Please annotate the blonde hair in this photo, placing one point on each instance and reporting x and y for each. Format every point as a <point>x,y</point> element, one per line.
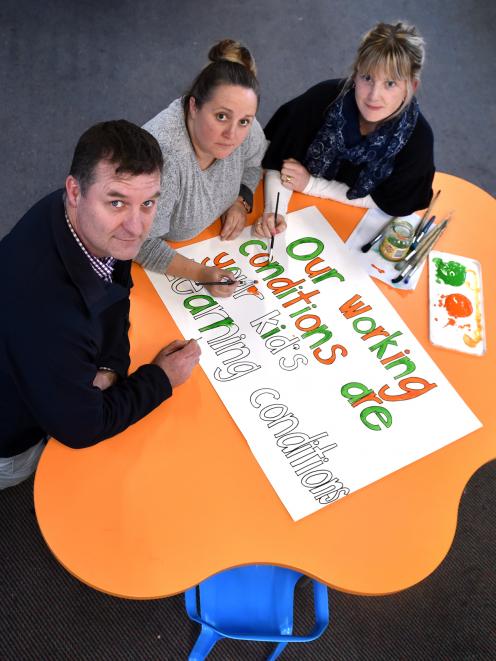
<point>233,51</point>
<point>397,50</point>
<point>231,63</point>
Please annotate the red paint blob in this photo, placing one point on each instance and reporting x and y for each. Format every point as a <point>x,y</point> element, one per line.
<point>458,305</point>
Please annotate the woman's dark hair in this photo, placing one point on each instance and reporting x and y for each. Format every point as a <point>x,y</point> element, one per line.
<point>231,63</point>
<point>132,149</point>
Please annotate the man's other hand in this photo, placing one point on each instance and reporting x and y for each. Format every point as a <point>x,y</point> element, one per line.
<point>177,360</point>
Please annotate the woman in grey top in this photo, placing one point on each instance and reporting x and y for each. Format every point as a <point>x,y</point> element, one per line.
<point>212,147</point>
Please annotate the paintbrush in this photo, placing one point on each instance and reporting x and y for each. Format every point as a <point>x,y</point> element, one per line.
<point>275,223</point>
<point>423,232</point>
<point>400,265</point>
<point>421,260</point>
<point>408,266</point>
<point>423,220</point>
<point>422,251</point>
<point>367,246</point>
<point>414,248</point>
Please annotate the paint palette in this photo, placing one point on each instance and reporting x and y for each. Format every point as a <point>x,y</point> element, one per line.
<point>456,311</point>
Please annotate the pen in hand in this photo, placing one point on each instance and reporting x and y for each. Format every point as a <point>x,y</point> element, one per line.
<point>180,345</point>
<point>228,282</point>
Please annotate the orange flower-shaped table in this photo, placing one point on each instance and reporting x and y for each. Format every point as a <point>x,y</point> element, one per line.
<point>179,496</point>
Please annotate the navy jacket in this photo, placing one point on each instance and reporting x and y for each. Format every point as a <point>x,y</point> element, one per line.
<point>60,323</point>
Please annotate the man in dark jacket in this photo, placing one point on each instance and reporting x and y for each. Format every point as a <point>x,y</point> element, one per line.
<point>64,287</point>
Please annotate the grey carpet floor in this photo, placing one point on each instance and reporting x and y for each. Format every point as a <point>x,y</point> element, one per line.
<point>65,65</point>
<point>46,614</point>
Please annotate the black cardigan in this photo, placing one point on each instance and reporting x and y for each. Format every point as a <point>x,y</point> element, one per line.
<point>293,127</point>
<point>60,323</point>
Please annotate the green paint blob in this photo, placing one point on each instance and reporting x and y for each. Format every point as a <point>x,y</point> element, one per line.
<point>451,273</point>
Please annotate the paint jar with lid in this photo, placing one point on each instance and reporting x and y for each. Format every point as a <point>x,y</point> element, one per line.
<point>397,240</point>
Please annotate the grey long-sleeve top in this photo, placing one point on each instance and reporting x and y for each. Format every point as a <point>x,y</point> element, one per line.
<point>191,198</point>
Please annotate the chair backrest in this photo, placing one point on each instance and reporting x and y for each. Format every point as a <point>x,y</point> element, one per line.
<point>254,603</point>
<point>253,600</point>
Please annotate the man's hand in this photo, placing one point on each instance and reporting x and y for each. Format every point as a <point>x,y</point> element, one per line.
<point>294,176</point>
<point>214,274</point>
<point>267,225</point>
<point>178,359</point>
<point>233,221</point>
<point>104,379</point>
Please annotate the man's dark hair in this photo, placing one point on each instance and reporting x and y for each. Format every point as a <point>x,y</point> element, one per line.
<point>132,149</point>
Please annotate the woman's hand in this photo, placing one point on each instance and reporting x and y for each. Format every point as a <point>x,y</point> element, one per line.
<point>233,221</point>
<point>267,225</point>
<point>294,176</point>
<point>214,274</point>
<point>187,268</point>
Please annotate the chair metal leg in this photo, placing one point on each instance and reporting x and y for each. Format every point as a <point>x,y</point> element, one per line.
<point>204,643</point>
<point>275,654</point>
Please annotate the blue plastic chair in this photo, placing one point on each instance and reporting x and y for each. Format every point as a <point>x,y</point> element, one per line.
<point>251,603</point>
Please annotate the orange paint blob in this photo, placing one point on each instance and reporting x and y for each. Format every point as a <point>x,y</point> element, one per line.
<point>252,290</point>
<point>458,305</point>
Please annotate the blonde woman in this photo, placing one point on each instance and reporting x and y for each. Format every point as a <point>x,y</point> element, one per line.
<point>212,146</point>
<point>362,140</point>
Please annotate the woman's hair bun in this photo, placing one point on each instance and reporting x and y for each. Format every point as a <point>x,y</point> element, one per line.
<point>230,63</point>
<point>232,51</point>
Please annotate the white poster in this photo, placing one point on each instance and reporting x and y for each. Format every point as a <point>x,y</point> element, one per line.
<point>325,381</point>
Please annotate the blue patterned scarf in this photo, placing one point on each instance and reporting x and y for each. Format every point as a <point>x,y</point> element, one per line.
<point>339,138</point>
